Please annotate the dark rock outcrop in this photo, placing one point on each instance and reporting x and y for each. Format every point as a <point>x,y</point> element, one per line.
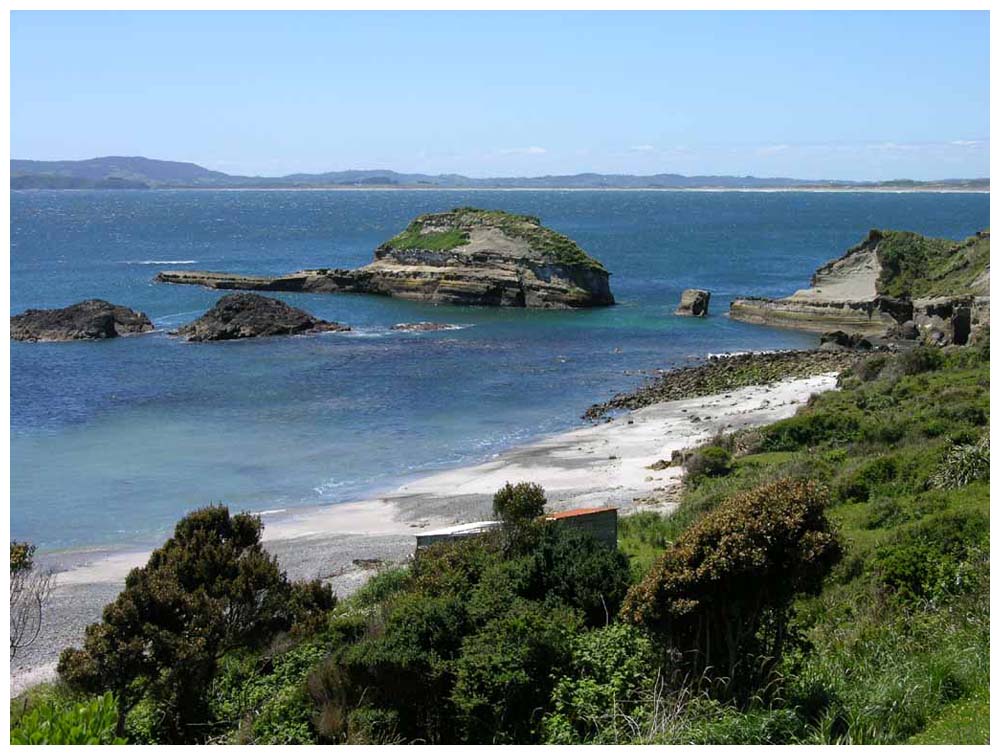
<point>252,316</point>
<point>94,319</point>
<point>694,303</point>
<point>465,256</point>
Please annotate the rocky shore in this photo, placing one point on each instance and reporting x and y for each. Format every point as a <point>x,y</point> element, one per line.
<point>719,374</point>
<point>465,256</point>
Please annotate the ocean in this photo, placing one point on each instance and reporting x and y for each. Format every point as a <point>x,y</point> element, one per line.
<point>112,442</point>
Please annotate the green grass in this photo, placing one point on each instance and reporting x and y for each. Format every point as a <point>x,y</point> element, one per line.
<point>554,246</point>
<point>895,649</point>
<point>964,723</point>
<point>413,238</point>
<point>917,266</point>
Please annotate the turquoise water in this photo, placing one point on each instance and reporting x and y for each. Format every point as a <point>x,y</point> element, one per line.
<point>112,442</point>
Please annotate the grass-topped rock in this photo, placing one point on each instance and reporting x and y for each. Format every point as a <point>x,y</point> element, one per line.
<point>464,256</point>
<point>894,282</point>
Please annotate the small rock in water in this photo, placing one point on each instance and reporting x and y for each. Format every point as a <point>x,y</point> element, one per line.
<point>91,320</point>
<point>251,316</point>
<point>694,303</point>
<point>421,327</point>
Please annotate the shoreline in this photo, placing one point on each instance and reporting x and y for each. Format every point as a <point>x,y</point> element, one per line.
<point>701,189</point>
<point>602,464</point>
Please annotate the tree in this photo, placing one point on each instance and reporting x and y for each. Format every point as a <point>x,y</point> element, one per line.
<point>209,589</point>
<point>721,595</point>
<point>30,590</point>
<point>519,507</point>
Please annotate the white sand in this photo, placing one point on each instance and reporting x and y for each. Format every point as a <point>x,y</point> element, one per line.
<point>605,464</point>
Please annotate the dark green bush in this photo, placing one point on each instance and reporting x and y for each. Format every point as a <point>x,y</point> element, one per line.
<point>506,672</point>
<point>610,677</point>
<point>720,596</point>
<point>871,367</point>
<point>210,589</point>
<point>927,558</point>
<point>868,478</point>
<point>710,461</point>
<point>920,359</point>
<point>810,429</point>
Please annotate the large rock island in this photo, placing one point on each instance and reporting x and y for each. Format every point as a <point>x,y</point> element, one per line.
<point>253,316</point>
<point>894,283</point>
<point>91,320</point>
<point>465,256</point>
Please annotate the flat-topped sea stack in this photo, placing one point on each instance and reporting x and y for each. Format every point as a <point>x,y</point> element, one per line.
<point>894,283</point>
<point>694,303</point>
<point>91,320</point>
<point>253,316</point>
<point>465,256</point>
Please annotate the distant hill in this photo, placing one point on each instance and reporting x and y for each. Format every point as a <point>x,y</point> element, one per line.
<point>141,172</point>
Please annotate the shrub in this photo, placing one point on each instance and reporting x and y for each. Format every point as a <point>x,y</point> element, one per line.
<point>373,726</point>
<point>921,359</point>
<point>710,461</point>
<point>506,672</point>
<point>812,428</point>
<point>720,596</point>
<point>404,665</point>
<point>869,477</point>
<point>91,722</point>
<point>870,368</point>
<point>209,589</point>
<point>610,672</point>
<point>965,463</point>
<point>929,558</point>
<point>581,572</point>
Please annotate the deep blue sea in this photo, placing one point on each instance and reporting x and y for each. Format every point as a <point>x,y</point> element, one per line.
<point>112,442</point>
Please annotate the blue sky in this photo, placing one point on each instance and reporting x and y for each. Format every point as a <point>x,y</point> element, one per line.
<point>808,95</point>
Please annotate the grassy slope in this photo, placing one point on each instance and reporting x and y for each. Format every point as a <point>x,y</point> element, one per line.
<point>557,247</point>
<point>897,644</point>
<point>917,266</point>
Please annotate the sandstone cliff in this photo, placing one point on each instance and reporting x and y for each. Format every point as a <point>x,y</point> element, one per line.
<point>937,288</point>
<point>465,256</point>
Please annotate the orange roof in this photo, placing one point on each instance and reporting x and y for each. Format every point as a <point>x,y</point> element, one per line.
<point>579,512</point>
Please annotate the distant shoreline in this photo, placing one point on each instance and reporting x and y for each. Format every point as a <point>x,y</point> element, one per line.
<point>684,190</point>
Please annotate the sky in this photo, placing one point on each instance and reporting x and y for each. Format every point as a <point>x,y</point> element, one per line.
<point>839,95</point>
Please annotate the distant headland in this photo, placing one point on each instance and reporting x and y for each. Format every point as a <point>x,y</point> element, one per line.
<point>144,173</point>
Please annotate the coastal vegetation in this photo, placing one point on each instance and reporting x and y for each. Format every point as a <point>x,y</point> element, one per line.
<point>915,266</point>
<point>451,230</point>
<point>825,579</point>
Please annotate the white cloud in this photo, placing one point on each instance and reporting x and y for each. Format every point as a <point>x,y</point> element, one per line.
<point>966,142</point>
<point>642,148</point>
<point>772,149</point>
<point>524,151</point>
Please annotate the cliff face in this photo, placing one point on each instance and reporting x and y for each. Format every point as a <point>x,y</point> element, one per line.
<point>466,256</point>
<point>938,288</point>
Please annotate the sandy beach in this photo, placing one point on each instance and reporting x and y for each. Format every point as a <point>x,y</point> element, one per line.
<point>603,464</point>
